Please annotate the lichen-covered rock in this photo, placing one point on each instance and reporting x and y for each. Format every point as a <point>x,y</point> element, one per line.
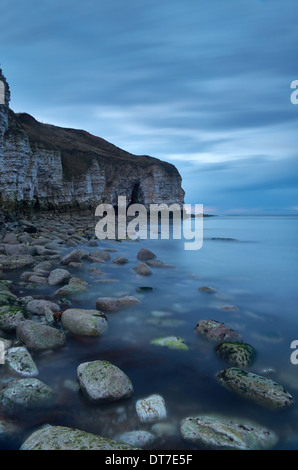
<point>19,360</point>
<point>63,438</point>
<point>38,337</point>
<point>24,394</point>
<point>216,331</point>
<point>84,322</point>
<point>112,304</point>
<point>140,438</point>
<point>10,317</point>
<point>238,354</point>
<point>259,389</point>
<point>102,382</point>
<point>39,306</point>
<point>171,342</point>
<point>211,432</point>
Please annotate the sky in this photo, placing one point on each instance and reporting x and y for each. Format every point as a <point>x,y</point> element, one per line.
<point>205,85</point>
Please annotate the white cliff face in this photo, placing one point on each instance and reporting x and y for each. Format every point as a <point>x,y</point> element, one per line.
<point>33,176</point>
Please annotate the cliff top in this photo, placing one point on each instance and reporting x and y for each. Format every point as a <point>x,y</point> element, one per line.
<point>78,148</point>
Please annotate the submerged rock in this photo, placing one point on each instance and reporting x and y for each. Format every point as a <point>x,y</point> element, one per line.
<point>239,354</point>
<point>84,322</point>
<point>102,382</point>
<point>216,331</point>
<point>140,438</point>
<point>111,304</point>
<point>19,360</point>
<point>120,260</point>
<point>74,256</point>
<point>38,337</point>
<point>207,290</point>
<point>63,438</point>
<point>7,429</point>
<point>25,394</point>
<point>143,270</point>
<point>220,433</point>
<point>259,389</point>
<point>171,342</point>
<point>151,409</point>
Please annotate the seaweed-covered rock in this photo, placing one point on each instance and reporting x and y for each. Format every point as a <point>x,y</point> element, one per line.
<point>10,317</point>
<point>63,438</point>
<point>171,342</point>
<point>259,389</point>
<point>19,360</point>
<point>102,382</point>
<point>151,409</point>
<point>38,337</point>
<point>84,322</point>
<point>239,354</point>
<point>23,394</point>
<point>220,433</point>
<point>216,331</point>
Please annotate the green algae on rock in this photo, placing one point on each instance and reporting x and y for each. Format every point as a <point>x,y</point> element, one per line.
<point>261,390</point>
<point>64,438</point>
<point>216,433</point>
<point>10,317</point>
<point>239,354</point>
<point>171,342</point>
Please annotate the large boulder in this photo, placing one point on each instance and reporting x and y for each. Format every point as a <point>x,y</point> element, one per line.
<point>63,438</point>
<point>102,382</point>
<point>38,337</point>
<point>259,389</point>
<point>209,432</point>
<point>19,360</point>
<point>84,322</point>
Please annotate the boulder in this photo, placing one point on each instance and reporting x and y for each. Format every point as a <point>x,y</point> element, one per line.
<point>144,254</point>
<point>213,433</point>
<point>10,317</point>
<point>38,337</point>
<point>142,269</point>
<point>23,394</point>
<point>19,360</point>
<point>63,438</point>
<point>39,306</point>
<point>58,276</point>
<point>84,322</point>
<point>238,354</point>
<point>111,304</point>
<point>261,390</point>
<point>102,382</point>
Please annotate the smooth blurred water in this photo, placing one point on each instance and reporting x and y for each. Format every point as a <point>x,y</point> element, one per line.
<point>256,272</point>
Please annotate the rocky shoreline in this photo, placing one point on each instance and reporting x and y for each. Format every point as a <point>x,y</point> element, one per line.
<point>46,252</point>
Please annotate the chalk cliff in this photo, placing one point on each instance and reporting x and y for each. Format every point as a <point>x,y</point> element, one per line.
<point>45,167</point>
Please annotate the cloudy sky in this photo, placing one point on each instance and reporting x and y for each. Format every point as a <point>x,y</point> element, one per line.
<point>202,84</point>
